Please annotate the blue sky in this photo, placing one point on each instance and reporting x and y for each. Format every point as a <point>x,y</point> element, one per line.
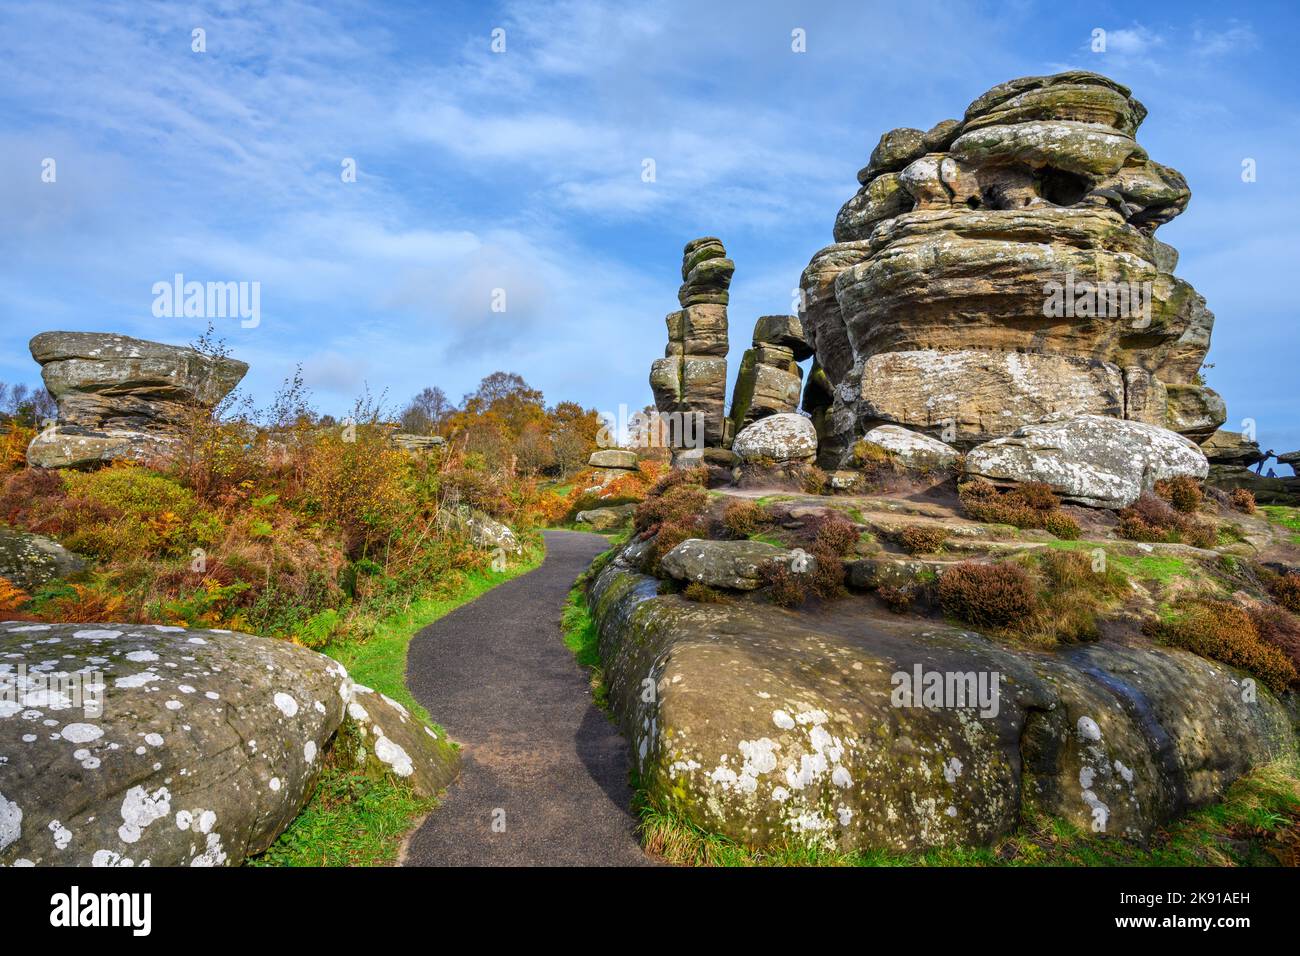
<point>522,170</point>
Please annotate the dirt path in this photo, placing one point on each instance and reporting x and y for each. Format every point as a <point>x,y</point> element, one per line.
<point>544,779</point>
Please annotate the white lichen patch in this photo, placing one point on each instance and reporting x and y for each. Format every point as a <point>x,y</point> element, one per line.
<point>141,808</point>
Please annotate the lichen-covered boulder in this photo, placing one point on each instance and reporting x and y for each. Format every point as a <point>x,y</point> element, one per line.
<point>912,449</point>
<point>388,738</point>
<point>606,519</point>
<point>29,560</point>
<point>613,458</point>
<point>201,748</point>
<point>483,530</point>
<point>781,438</point>
<point>1093,460</point>
<point>736,565</point>
<point>854,729</point>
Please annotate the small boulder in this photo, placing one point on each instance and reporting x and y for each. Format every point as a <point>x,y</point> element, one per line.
<point>736,565</point>
<point>389,739</point>
<point>29,560</point>
<point>613,458</point>
<point>783,438</point>
<point>784,330</point>
<point>606,519</point>
<point>912,449</point>
<point>1093,460</point>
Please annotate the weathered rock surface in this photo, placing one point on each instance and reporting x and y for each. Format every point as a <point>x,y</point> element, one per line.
<point>417,444</point>
<point>606,519</point>
<point>142,745</point>
<point>773,727</point>
<point>912,449</point>
<point>768,383</point>
<point>1093,460</point>
<point>613,458</point>
<point>483,530</point>
<point>691,378</point>
<point>1020,242</point>
<point>1231,448</point>
<point>30,560</point>
<point>120,397</point>
<point>736,565</point>
<point>780,438</point>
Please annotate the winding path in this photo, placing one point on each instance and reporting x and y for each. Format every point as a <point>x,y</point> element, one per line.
<point>537,754</point>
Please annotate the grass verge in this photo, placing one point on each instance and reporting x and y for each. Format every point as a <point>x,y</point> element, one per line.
<point>353,819</point>
<point>1256,824</point>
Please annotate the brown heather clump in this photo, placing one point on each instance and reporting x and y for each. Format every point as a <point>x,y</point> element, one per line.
<point>988,595</point>
<point>743,518</point>
<point>679,502</point>
<point>1286,591</point>
<point>922,538</point>
<point>835,534</point>
<point>897,599</point>
<point>1279,629</point>
<point>1151,518</point>
<point>1074,592</point>
<point>813,480</point>
<point>827,576</point>
<point>1182,491</point>
<point>785,588</point>
<point>1029,505</point>
<point>1243,499</point>
<point>1225,632</point>
<point>678,476</point>
<point>670,534</point>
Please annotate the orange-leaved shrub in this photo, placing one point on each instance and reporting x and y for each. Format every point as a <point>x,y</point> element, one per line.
<point>1225,632</point>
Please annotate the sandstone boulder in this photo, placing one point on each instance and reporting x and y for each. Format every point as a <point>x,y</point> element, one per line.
<point>912,449</point>
<point>1231,448</point>
<point>388,738</point>
<point>30,560</point>
<point>772,727</point>
<point>780,438</point>
<point>120,397</point>
<point>613,458</point>
<point>1093,460</point>
<point>736,565</point>
<point>606,519</point>
<point>417,444</point>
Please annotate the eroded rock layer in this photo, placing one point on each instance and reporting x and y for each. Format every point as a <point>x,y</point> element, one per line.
<point>1002,270</point>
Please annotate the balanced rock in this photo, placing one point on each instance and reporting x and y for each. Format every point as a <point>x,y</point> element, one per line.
<point>691,379</point>
<point>120,397</point>
<point>1092,459</point>
<point>1231,448</point>
<point>788,437</point>
<point>30,560</point>
<point>912,449</point>
<point>1002,271</point>
<point>619,458</point>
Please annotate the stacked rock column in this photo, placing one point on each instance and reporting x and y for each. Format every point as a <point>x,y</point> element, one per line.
<point>770,379</point>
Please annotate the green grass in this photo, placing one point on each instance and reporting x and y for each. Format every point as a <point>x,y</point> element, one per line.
<point>353,819</point>
<point>578,629</point>
<point>1288,517</point>
<point>1256,824</point>
<point>1151,567</point>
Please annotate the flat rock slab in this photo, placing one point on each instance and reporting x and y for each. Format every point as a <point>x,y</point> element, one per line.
<point>544,776</point>
<point>202,749</point>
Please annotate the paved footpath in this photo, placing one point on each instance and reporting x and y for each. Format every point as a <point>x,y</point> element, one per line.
<point>538,756</point>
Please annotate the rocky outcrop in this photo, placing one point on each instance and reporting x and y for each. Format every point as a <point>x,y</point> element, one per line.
<point>855,730</point>
<point>120,397</point>
<point>143,745</point>
<point>735,565</point>
<point>1092,460</point>
<point>30,560</point>
<point>1002,271</point>
<point>616,458</point>
<point>483,530</point>
<point>770,379</point>
<point>692,376</point>
<point>779,438</point>
<point>912,449</point>
<point>417,444</point>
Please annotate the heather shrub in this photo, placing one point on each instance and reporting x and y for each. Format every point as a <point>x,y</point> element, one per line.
<point>1183,492</point>
<point>1225,632</point>
<point>672,533</point>
<point>922,538</point>
<point>1029,505</point>
<point>835,534</point>
<point>827,575</point>
<point>678,503</point>
<point>785,588</point>
<point>988,595</point>
<point>1151,518</point>
<point>1243,499</point>
<point>1279,629</point>
<point>743,518</point>
<point>679,476</point>
<point>897,599</point>
<point>1285,589</point>
<point>1062,526</point>
<point>813,480</point>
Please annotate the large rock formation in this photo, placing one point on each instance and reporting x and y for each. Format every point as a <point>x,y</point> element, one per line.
<point>1002,271</point>
<point>201,748</point>
<point>692,376</point>
<point>121,397</point>
<point>770,379</point>
<point>852,729</point>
